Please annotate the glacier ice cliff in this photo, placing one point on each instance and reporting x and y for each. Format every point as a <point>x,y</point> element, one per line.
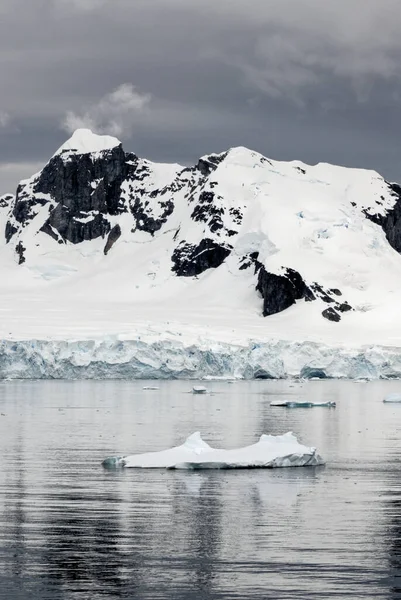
<point>173,359</point>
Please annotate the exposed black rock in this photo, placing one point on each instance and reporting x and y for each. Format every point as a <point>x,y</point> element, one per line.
<point>5,201</point>
<point>281,291</point>
<point>20,249</point>
<point>10,231</point>
<point>250,260</point>
<point>207,212</point>
<point>344,307</point>
<point>147,222</point>
<point>71,228</point>
<point>236,215</point>
<point>327,296</point>
<point>114,234</point>
<point>84,189</point>
<point>208,164</point>
<point>331,315</point>
<point>190,260</point>
<point>391,221</point>
<point>321,293</point>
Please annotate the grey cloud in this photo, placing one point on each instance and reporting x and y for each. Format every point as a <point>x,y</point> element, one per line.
<point>116,113</point>
<point>12,172</point>
<point>300,79</point>
<point>4,118</point>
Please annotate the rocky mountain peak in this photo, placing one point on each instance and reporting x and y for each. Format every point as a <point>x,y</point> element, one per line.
<point>275,226</point>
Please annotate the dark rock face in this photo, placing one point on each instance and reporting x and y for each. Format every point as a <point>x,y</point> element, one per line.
<point>327,296</point>
<point>69,227</point>
<point>114,234</point>
<point>331,315</point>
<point>6,200</point>
<point>80,190</point>
<point>146,222</point>
<point>20,249</point>
<point>250,260</point>
<point>190,260</point>
<point>208,164</point>
<point>281,291</point>
<point>10,231</point>
<point>391,221</point>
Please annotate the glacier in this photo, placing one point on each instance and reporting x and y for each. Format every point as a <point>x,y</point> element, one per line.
<point>173,359</point>
<point>269,452</point>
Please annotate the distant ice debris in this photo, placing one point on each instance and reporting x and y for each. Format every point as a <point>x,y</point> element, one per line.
<point>150,387</point>
<point>393,398</point>
<point>301,404</point>
<point>199,389</point>
<point>270,451</point>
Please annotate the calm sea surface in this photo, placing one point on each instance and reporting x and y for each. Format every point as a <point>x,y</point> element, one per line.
<point>70,529</point>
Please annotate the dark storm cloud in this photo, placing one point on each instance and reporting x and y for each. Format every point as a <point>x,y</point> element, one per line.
<point>174,79</point>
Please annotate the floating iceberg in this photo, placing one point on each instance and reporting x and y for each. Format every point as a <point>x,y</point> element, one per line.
<point>300,404</point>
<point>392,398</point>
<point>270,451</point>
<point>150,387</point>
<point>199,389</point>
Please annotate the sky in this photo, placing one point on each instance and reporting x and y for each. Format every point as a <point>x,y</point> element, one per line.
<point>318,81</point>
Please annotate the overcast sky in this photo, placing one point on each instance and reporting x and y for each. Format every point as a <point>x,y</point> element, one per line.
<point>315,80</point>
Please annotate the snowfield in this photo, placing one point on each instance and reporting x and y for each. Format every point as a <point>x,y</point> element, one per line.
<point>150,306</point>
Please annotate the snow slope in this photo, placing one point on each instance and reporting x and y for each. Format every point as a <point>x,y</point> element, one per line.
<point>115,266</point>
<point>83,141</point>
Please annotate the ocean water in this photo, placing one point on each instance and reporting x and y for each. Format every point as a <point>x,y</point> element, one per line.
<point>71,530</point>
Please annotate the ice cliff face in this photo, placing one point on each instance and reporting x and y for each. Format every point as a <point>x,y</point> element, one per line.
<point>289,231</point>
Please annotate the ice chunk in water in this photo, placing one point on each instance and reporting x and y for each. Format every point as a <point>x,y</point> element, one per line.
<point>270,451</point>
<point>301,404</point>
<point>113,462</point>
<point>392,397</point>
<point>199,389</point>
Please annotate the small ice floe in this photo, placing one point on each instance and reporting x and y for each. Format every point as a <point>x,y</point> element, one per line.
<point>199,389</point>
<point>393,398</point>
<point>150,387</point>
<point>270,451</point>
<point>301,404</point>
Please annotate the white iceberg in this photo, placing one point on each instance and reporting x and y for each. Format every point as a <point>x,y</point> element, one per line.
<point>270,451</point>
<point>301,404</point>
<point>393,398</point>
<point>199,389</point>
<point>150,387</point>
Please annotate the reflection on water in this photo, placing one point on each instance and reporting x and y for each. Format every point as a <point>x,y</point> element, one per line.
<point>69,529</point>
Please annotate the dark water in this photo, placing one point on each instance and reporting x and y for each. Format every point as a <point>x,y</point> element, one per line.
<point>69,529</point>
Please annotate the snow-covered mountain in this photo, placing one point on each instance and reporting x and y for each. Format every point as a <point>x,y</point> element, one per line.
<point>237,250</point>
